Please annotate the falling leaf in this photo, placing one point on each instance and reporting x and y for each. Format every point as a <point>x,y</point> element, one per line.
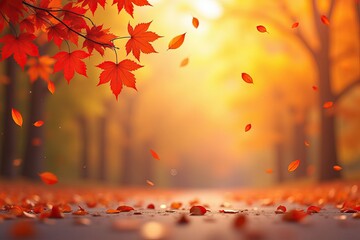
<point>247,127</point>
<point>48,178</point>
<point>177,41</point>
<point>17,162</point>
<point>295,25</point>
<point>328,105</point>
<point>261,29</point>
<point>247,78</point>
<point>306,143</point>
<point>315,88</point>
<point>325,20</point>
<point>184,62</point>
<point>337,168</point>
<point>197,210</point>
<point>38,123</point>
<point>150,183</point>
<point>280,209</point>
<point>195,22</point>
<point>239,221</point>
<point>51,87</point>
<point>313,209</point>
<point>269,171</point>
<point>293,165</point>
<point>154,154</point>
<point>294,216</point>
<point>112,211</point>
<point>125,208</point>
<point>17,117</point>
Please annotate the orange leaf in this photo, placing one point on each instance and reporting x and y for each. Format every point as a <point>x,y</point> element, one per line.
<point>40,68</point>
<point>16,116</point>
<point>150,183</point>
<point>184,62</point>
<point>295,25</point>
<point>112,211</point>
<point>261,29</point>
<point>48,178</point>
<point>337,168</point>
<point>306,143</point>
<point>313,209</point>
<point>140,39</point>
<point>176,205</point>
<point>154,154</point>
<point>197,210</point>
<point>195,22</point>
<point>177,41</point>
<point>269,171</point>
<point>328,105</point>
<point>124,208</point>
<point>55,213</point>
<point>51,87</point>
<point>280,209</point>
<point>325,20</point>
<point>38,123</point>
<point>247,78</point>
<point>293,165</point>
<point>247,127</point>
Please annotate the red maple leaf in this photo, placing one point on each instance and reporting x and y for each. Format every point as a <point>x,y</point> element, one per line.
<point>13,9</point>
<point>69,62</point>
<point>20,46</point>
<point>140,40</point>
<point>100,35</point>
<point>128,5</point>
<point>57,33</point>
<point>72,16</point>
<point>92,4</point>
<point>118,74</point>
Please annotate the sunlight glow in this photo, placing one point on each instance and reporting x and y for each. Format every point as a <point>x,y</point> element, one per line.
<point>209,8</point>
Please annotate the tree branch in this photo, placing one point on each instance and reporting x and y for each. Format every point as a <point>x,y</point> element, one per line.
<point>347,89</point>
<point>67,26</point>
<point>331,8</point>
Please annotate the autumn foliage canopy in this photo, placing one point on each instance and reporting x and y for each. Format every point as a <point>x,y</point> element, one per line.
<point>27,25</point>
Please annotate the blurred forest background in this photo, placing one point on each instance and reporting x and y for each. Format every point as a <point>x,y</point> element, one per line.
<point>194,116</point>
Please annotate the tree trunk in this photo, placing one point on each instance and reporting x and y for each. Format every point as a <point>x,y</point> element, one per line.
<point>9,136</point>
<point>299,149</point>
<point>279,159</point>
<point>328,155</point>
<point>102,138</point>
<point>127,157</point>
<point>34,145</point>
<point>84,140</point>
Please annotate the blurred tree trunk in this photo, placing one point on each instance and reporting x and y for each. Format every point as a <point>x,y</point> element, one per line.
<point>299,149</point>
<point>127,157</point>
<point>9,136</point>
<point>84,138</point>
<point>102,138</point>
<point>279,161</point>
<point>34,145</point>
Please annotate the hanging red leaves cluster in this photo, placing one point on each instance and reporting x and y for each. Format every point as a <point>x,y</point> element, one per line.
<point>68,23</point>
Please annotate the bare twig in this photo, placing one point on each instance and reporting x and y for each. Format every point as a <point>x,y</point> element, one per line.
<point>347,89</point>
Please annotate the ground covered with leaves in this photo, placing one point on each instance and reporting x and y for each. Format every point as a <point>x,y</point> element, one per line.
<point>36,211</point>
